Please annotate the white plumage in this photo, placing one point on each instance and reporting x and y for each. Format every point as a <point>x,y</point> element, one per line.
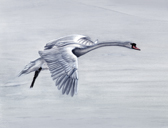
<point>60,57</point>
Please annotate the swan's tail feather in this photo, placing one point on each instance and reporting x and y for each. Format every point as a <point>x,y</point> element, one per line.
<point>32,66</point>
<point>26,69</point>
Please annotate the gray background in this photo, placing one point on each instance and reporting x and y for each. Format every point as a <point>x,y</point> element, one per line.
<point>118,87</point>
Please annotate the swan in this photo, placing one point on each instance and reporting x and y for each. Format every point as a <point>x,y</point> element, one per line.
<point>60,57</point>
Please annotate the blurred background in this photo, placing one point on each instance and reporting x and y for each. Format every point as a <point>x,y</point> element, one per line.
<point>118,87</point>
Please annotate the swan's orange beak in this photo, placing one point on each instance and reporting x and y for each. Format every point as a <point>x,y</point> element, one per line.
<point>134,47</point>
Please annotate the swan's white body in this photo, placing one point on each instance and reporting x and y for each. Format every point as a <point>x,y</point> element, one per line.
<point>60,57</point>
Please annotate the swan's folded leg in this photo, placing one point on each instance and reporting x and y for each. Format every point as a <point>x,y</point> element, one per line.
<point>35,76</point>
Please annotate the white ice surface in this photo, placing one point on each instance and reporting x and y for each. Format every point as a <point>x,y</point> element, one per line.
<point>118,87</point>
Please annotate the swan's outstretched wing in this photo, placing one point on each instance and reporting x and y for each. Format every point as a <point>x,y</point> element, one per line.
<point>77,39</point>
<point>63,66</point>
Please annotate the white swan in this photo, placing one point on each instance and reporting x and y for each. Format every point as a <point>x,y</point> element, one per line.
<point>60,57</point>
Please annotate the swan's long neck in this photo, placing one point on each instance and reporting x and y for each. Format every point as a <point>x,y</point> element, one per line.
<point>81,51</point>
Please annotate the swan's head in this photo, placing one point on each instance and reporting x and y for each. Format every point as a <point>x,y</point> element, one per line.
<point>131,45</point>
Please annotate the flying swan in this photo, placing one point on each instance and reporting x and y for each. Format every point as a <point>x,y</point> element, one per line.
<point>60,57</point>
